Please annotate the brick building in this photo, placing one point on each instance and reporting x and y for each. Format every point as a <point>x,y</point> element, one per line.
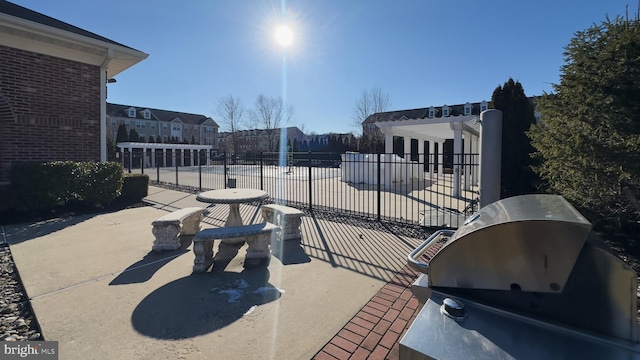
<point>53,80</point>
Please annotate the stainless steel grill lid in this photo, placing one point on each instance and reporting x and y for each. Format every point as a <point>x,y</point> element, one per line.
<point>529,279</point>
<point>527,243</point>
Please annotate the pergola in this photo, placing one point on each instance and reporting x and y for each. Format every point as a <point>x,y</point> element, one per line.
<point>437,130</point>
<point>164,147</point>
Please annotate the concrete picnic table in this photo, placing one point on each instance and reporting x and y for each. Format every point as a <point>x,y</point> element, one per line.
<point>233,197</point>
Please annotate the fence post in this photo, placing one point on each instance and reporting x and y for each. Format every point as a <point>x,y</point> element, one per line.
<point>176,172</point>
<point>261,171</point>
<point>310,185</point>
<point>224,167</point>
<point>379,192</point>
<point>199,172</point>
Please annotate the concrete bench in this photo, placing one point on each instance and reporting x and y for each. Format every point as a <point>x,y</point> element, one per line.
<point>257,236</point>
<point>168,227</point>
<point>289,219</point>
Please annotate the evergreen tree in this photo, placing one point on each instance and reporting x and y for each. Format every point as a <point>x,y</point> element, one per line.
<point>158,139</point>
<point>122,135</point>
<point>589,142</point>
<point>134,136</point>
<point>517,176</point>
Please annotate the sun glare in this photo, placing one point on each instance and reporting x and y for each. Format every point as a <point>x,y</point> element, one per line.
<point>284,35</point>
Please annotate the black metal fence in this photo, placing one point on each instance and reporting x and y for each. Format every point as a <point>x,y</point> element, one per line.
<point>434,191</point>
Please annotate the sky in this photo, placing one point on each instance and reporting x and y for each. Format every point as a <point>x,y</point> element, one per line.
<point>421,53</point>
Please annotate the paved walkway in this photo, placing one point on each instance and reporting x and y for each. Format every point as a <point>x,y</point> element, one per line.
<point>375,332</point>
<point>94,277</point>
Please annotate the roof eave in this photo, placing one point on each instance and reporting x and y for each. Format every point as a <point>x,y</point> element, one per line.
<point>31,36</point>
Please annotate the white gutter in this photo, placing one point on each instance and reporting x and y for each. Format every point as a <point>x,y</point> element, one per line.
<point>103,104</point>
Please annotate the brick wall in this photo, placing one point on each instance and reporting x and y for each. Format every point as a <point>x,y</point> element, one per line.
<point>49,109</point>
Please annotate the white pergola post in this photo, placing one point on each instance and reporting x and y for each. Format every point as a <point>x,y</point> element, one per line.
<point>164,157</point>
<point>475,148</point>
<point>153,157</point>
<point>420,159</point>
<point>388,143</point>
<point>440,158</point>
<point>130,157</point>
<point>182,157</point>
<point>407,148</point>
<point>173,157</point>
<point>457,158</point>
<point>432,158</point>
<point>191,153</point>
<point>468,168</point>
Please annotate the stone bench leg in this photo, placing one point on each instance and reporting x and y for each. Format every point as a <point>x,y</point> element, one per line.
<point>166,237</point>
<point>191,225</point>
<point>268,215</point>
<point>258,250</point>
<point>291,227</point>
<point>203,251</point>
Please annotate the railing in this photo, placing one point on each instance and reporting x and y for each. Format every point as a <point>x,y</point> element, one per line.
<point>379,187</point>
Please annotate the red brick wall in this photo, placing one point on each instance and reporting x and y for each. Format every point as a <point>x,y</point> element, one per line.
<point>49,109</point>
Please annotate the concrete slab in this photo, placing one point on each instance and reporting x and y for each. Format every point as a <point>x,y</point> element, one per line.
<point>98,289</point>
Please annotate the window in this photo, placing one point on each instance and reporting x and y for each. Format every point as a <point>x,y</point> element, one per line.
<point>153,125</point>
<point>165,138</point>
<point>141,124</point>
<point>445,111</point>
<point>484,106</point>
<point>132,112</point>
<point>127,123</point>
<point>175,127</point>
<point>165,126</point>
<point>432,112</point>
<point>467,109</point>
<point>147,114</point>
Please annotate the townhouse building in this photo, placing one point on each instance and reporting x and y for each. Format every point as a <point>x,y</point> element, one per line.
<point>156,125</point>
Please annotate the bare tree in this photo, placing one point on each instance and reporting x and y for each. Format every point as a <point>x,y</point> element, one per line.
<point>270,115</point>
<point>231,112</point>
<point>370,103</point>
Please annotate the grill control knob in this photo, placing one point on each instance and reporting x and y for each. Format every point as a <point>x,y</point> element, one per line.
<point>453,309</point>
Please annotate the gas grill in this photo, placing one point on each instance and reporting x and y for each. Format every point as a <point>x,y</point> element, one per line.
<point>524,278</point>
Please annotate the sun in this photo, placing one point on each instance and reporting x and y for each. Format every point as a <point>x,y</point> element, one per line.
<point>284,35</point>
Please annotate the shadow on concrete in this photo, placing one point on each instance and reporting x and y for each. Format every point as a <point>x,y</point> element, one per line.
<point>17,233</point>
<point>289,252</point>
<point>144,269</point>
<point>202,303</point>
<point>400,188</point>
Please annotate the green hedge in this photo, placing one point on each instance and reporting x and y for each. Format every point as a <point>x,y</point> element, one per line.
<point>135,187</point>
<point>42,185</point>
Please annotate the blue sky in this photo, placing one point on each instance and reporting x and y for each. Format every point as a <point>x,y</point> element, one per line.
<point>421,53</point>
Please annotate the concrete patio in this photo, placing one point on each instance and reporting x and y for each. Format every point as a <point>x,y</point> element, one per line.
<point>98,289</point>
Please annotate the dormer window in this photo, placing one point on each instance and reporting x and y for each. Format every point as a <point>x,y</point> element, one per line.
<point>467,109</point>
<point>484,106</point>
<point>147,114</point>
<point>445,111</point>
<point>432,112</point>
<point>132,112</point>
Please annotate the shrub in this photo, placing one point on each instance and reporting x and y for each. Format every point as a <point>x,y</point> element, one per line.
<point>39,185</point>
<point>101,182</point>
<point>42,185</point>
<point>135,187</point>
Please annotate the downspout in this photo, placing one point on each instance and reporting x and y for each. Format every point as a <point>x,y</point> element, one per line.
<point>103,104</point>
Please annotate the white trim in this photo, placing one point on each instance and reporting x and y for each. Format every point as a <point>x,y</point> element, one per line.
<point>31,36</point>
<point>139,145</point>
<point>103,105</point>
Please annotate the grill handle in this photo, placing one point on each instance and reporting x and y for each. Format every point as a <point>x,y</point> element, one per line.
<point>412,259</point>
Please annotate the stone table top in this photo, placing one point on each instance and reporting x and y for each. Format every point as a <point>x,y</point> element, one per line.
<point>232,196</point>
